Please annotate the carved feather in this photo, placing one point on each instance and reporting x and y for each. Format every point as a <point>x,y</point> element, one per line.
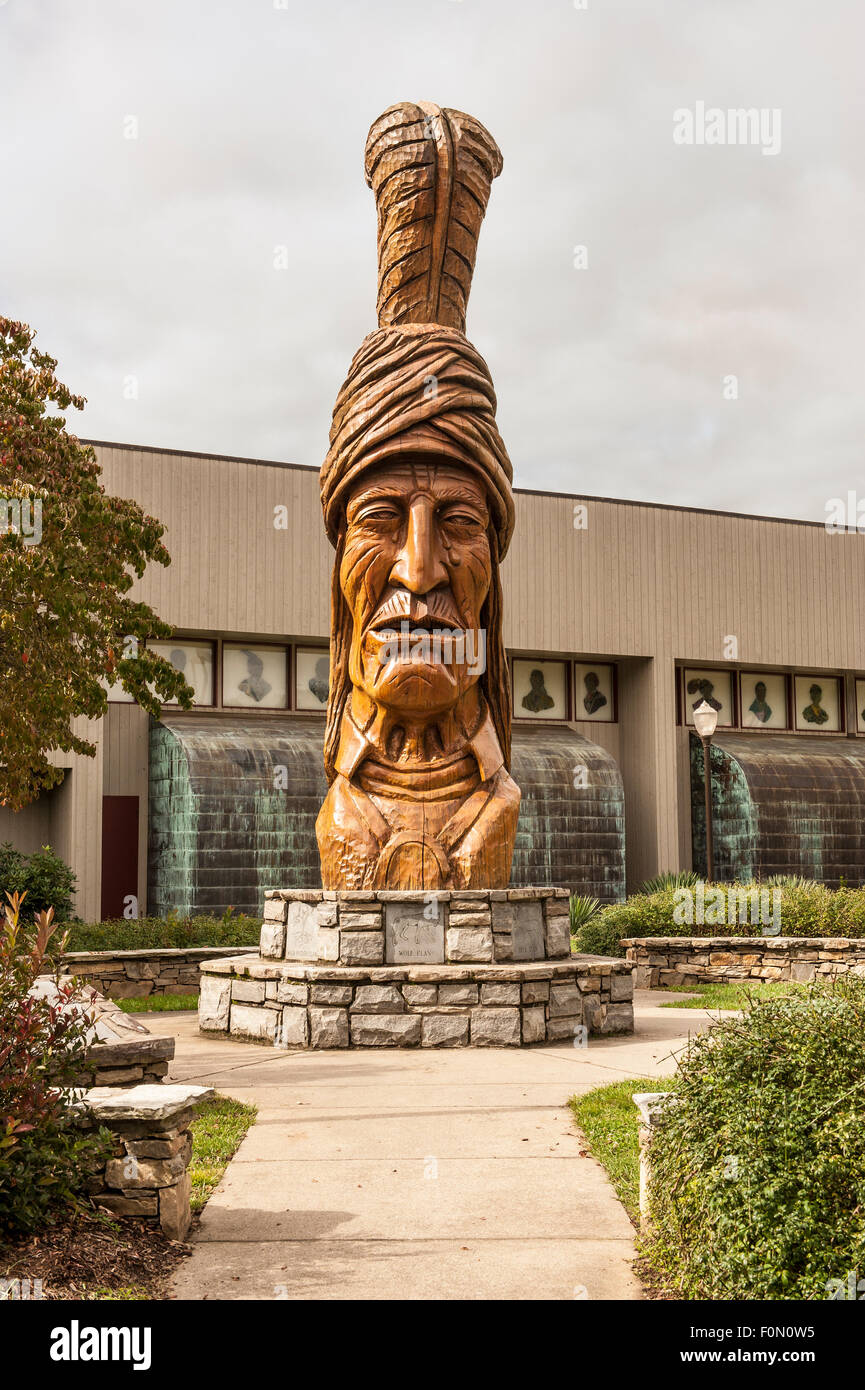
<point>431,170</point>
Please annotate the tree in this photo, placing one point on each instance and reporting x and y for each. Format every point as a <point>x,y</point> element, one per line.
<point>69,555</point>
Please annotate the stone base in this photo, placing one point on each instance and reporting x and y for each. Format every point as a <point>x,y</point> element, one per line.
<point>460,926</point>
<point>293,1005</point>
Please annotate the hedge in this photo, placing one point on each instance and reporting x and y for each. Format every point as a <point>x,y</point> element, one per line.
<point>757,1186</point>
<point>159,932</point>
<point>807,909</point>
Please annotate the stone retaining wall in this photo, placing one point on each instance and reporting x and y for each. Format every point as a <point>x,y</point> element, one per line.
<point>137,974</point>
<point>448,1005</point>
<point>685,960</point>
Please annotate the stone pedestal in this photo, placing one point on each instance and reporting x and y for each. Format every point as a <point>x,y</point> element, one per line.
<point>475,926</point>
<point>487,968</point>
<point>147,1174</point>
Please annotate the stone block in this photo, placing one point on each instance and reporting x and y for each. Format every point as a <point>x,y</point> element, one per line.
<point>621,987</point>
<point>361,947</point>
<point>475,917</point>
<point>119,1204</point>
<point>534,1024</point>
<point>248,991</point>
<point>417,995</point>
<point>594,1012</point>
<point>328,1027</point>
<point>495,1027</point>
<point>292,1028</point>
<point>557,907</point>
<point>564,1000</point>
<point>411,937</point>
<point>214,1003</point>
<point>118,1076</point>
<point>444,1030</point>
<point>162,1148</point>
<point>271,940</point>
<point>456,994</point>
<point>336,996</point>
<point>378,999</point>
<point>469,944</point>
<point>359,921</point>
<point>247,1021</point>
<point>289,992</point>
<point>385,1030</point>
<point>619,1019</point>
<point>174,1211</point>
<point>558,1028</point>
<point>535,991</point>
<point>558,937</point>
<point>131,1173</point>
<point>275,910</point>
<point>500,995</point>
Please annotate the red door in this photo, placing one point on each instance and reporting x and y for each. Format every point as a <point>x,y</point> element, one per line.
<point>119,854</point>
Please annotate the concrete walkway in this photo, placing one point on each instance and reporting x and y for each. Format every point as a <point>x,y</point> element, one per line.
<point>456,1174</point>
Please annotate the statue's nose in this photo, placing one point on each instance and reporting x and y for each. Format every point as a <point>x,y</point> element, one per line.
<point>419,566</point>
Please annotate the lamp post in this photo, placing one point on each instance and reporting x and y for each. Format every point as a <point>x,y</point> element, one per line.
<point>706,722</point>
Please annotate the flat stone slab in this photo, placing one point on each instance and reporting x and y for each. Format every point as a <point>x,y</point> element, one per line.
<point>160,1102</point>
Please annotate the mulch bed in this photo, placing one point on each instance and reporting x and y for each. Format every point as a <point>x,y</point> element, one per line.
<point>88,1256</point>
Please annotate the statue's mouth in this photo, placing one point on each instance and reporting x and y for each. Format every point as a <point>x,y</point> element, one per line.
<point>415,629</point>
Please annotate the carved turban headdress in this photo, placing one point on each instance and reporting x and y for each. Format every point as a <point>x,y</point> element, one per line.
<point>416,385</point>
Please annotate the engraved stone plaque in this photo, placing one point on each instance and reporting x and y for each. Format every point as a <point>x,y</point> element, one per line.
<point>302,932</point>
<point>413,938</point>
<point>527,931</point>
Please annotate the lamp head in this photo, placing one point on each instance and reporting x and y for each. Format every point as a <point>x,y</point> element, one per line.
<point>705,719</point>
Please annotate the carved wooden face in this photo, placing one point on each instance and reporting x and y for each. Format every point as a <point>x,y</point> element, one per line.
<point>416,561</point>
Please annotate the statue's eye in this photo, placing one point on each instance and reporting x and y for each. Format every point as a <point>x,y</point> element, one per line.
<point>381,511</point>
<point>460,518</point>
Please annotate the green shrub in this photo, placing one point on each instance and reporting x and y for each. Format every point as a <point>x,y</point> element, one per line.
<point>686,878</point>
<point>599,937</point>
<point>43,876</point>
<point>581,910</point>
<point>156,933</point>
<point>758,1168</point>
<point>806,909</point>
<point>45,1159</point>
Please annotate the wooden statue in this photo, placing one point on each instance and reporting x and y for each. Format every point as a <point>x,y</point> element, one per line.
<point>416,493</point>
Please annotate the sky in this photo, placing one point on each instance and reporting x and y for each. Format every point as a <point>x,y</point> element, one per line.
<point>187,227</point>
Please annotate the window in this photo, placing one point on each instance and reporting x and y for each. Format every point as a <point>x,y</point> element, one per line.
<point>713,686</point>
<point>311,678</point>
<point>254,676</point>
<point>540,689</point>
<point>194,660</point>
<point>594,692</point>
<point>817,703</point>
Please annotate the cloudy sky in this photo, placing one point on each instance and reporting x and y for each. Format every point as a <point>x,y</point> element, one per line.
<point>152,258</point>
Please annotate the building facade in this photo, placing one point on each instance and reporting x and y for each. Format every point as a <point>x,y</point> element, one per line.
<point>620,617</point>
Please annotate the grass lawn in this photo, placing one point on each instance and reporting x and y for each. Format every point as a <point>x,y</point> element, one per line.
<point>734,995</point>
<point>609,1119</point>
<point>159,1003</point>
<point>217,1132</point>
